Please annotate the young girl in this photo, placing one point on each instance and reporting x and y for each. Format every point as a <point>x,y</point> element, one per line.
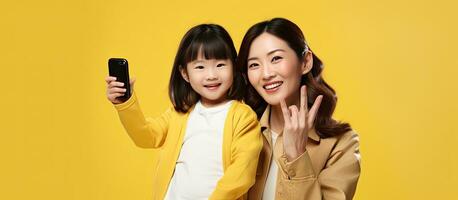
<point>209,141</point>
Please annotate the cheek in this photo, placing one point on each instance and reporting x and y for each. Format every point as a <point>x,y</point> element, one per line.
<point>290,71</point>
<point>226,75</point>
<point>253,76</point>
<point>230,78</point>
<point>194,78</point>
<point>230,73</point>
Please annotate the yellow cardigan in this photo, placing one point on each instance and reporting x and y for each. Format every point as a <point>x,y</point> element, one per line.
<point>242,143</point>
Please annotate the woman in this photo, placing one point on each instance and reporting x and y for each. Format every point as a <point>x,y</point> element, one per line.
<point>306,154</point>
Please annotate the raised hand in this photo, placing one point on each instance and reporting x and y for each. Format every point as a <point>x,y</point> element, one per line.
<point>298,122</point>
<point>116,89</point>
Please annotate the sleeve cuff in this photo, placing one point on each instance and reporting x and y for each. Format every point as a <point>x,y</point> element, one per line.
<point>126,104</point>
<point>299,168</point>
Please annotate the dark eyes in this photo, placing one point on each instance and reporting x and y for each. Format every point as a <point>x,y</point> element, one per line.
<point>253,65</point>
<point>202,67</point>
<point>276,58</point>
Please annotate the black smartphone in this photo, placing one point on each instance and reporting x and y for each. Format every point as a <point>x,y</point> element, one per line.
<point>119,68</point>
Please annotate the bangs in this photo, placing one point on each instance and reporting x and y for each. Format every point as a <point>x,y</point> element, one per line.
<point>210,46</point>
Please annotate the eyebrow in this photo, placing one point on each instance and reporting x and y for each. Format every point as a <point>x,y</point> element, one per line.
<point>270,53</point>
<point>197,61</point>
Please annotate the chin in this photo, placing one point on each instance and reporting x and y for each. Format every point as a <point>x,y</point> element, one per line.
<point>214,97</point>
<point>272,100</point>
<point>273,103</point>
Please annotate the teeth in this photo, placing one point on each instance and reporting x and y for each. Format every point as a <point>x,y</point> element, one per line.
<point>272,86</point>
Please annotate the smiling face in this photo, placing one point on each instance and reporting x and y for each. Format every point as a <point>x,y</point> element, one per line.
<point>275,70</point>
<point>210,78</point>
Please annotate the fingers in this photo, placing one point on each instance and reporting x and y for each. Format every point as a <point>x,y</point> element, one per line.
<point>294,117</point>
<point>108,79</point>
<point>304,99</point>
<point>113,97</point>
<point>303,107</point>
<point>113,84</point>
<point>286,113</point>
<point>111,81</point>
<point>116,90</point>
<point>114,93</point>
<point>314,110</point>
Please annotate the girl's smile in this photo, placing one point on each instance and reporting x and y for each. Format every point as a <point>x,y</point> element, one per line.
<point>210,78</point>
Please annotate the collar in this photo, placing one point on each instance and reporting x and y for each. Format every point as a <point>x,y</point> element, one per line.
<point>201,109</point>
<point>264,122</point>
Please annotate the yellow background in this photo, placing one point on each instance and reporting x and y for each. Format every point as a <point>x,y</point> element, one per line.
<point>393,63</point>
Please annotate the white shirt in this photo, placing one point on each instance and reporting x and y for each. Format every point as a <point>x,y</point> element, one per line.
<point>199,165</point>
<point>271,183</point>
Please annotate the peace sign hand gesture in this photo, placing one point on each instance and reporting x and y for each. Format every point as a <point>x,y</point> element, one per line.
<point>298,123</point>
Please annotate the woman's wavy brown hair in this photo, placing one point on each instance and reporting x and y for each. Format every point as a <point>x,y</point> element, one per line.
<point>289,32</point>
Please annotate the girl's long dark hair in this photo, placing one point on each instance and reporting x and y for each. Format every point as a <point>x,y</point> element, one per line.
<point>289,32</point>
<point>214,42</point>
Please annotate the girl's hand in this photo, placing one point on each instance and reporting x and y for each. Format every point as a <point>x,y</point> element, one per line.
<point>115,89</point>
<point>298,122</point>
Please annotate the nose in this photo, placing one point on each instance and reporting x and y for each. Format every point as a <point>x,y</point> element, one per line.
<point>267,72</point>
<point>211,74</point>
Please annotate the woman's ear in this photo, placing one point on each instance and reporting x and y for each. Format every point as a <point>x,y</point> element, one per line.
<point>308,62</point>
<point>184,74</point>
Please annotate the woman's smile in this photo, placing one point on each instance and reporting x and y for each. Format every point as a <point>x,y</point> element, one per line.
<point>272,87</point>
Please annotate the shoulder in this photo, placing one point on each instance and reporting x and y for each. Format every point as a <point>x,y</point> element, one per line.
<point>348,138</point>
<point>346,144</point>
<point>172,113</point>
<point>341,141</point>
<point>242,110</point>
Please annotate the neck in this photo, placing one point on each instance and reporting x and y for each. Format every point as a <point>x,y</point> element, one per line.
<point>212,103</point>
<point>276,119</point>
